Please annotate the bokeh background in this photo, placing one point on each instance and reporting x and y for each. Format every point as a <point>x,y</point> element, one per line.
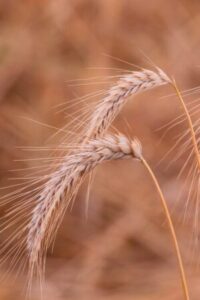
<point>123,249</point>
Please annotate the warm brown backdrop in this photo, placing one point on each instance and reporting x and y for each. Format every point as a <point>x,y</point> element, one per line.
<point>123,251</point>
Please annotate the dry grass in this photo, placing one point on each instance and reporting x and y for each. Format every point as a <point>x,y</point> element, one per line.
<point>122,251</point>
<point>61,186</point>
<point>116,97</point>
<point>60,190</point>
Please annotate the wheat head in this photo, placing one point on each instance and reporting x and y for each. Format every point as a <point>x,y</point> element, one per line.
<point>117,96</point>
<point>63,185</point>
<point>60,189</point>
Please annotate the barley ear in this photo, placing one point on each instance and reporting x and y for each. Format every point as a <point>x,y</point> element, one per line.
<point>117,96</point>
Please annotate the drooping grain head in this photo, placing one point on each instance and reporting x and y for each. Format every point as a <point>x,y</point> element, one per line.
<point>117,96</point>
<point>63,185</point>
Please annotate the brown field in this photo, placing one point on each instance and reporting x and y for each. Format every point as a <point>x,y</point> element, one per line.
<point>123,249</point>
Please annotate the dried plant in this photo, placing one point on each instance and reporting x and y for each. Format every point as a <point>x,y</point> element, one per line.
<point>63,185</point>
<point>60,190</point>
<point>105,113</point>
<point>121,251</point>
<point>116,97</point>
<point>55,192</point>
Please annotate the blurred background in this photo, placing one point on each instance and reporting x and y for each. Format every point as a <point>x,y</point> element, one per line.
<point>123,249</point>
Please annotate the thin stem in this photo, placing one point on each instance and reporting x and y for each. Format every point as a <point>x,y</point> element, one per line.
<point>194,141</point>
<point>172,230</point>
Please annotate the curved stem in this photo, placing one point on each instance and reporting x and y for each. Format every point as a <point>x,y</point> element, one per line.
<point>172,230</point>
<point>194,141</point>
